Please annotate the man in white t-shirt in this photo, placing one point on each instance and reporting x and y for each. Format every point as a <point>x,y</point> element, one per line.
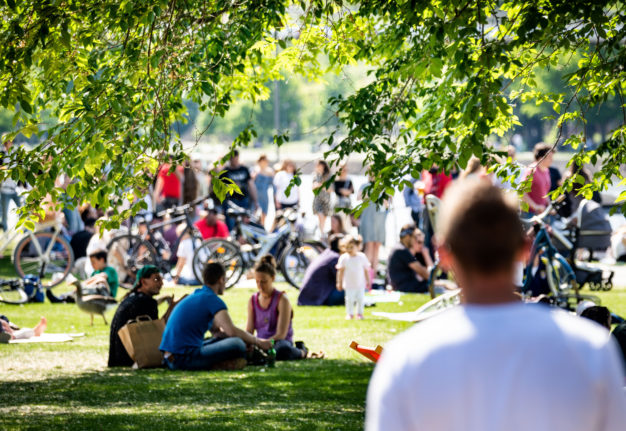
<point>494,363</point>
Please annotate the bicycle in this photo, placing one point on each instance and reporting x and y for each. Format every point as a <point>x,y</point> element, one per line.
<point>560,276</point>
<point>12,291</point>
<point>128,252</point>
<point>43,252</point>
<point>250,242</point>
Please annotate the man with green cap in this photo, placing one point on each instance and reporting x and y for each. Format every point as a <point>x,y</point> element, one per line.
<point>138,302</point>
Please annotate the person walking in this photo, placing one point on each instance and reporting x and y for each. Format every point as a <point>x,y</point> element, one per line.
<point>495,363</point>
<point>372,227</point>
<point>281,183</point>
<point>8,188</point>
<point>321,201</point>
<point>263,176</point>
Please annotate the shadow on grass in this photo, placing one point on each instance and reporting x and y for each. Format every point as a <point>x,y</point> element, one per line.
<point>327,394</point>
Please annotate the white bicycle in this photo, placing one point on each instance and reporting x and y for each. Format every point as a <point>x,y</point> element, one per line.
<point>43,252</point>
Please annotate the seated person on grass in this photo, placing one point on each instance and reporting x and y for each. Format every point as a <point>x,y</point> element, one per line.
<point>320,279</point>
<point>183,272</point>
<point>270,313</point>
<point>8,331</point>
<point>403,268</point>
<point>183,344</point>
<point>102,275</point>
<point>138,302</point>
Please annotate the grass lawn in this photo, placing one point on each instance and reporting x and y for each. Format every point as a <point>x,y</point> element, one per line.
<point>68,386</point>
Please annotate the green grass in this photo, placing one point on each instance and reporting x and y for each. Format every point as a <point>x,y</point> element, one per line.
<point>68,386</point>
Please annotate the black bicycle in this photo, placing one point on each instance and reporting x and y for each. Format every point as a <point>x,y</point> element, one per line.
<point>249,242</point>
<point>143,243</point>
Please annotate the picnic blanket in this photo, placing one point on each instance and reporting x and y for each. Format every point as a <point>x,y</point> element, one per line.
<point>431,308</point>
<point>48,338</point>
<point>380,296</point>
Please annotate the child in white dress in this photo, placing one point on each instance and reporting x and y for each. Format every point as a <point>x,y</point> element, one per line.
<point>353,275</point>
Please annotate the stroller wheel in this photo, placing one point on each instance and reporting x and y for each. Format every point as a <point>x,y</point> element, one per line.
<point>595,286</point>
<point>606,286</point>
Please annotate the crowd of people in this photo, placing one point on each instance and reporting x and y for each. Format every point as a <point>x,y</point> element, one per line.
<point>493,362</point>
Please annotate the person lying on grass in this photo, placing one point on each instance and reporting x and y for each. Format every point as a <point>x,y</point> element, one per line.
<point>183,344</point>
<point>270,313</point>
<point>8,331</point>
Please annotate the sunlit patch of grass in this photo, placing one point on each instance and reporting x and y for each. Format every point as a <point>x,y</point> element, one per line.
<point>68,385</point>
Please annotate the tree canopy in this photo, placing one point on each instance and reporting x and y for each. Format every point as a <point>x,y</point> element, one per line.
<point>101,83</point>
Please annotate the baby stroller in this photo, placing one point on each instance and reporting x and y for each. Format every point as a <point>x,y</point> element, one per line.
<point>587,228</point>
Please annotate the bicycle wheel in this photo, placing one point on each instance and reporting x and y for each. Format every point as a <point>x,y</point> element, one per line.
<point>12,292</point>
<point>561,277</point>
<point>128,254</point>
<point>31,258</point>
<point>295,260</point>
<point>224,252</point>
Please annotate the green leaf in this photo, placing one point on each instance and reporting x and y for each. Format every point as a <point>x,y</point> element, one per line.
<point>26,106</point>
<point>29,130</point>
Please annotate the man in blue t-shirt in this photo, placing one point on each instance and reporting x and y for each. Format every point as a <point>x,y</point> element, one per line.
<point>183,344</point>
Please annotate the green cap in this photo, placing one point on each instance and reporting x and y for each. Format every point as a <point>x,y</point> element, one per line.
<point>145,272</point>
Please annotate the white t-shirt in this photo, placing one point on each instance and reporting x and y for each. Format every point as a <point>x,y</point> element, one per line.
<point>281,182</point>
<point>185,249</point>
<point>494,368</point>
<point>354,270</point>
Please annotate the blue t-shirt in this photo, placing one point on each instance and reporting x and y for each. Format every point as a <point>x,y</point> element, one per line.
<point>190,320</point>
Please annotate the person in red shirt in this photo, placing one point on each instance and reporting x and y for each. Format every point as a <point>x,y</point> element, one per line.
<point>435,181</point>
<point>537,199</point>
<point>167,190</point>
<point>210,226</point>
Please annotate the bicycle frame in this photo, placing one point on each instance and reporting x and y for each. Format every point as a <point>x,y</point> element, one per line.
<point>267,241</point>
<point>543,247</point>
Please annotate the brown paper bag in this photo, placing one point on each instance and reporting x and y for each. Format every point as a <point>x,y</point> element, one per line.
<point>141,338</point>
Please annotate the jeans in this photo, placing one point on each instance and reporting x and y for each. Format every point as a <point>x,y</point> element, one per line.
<point>335,298</point>
<point>6,199</point>
<point>74,222</point>
<point>243,202</point>
<point>286,351</point>
<point>212,351</point>
<point>188,281</point>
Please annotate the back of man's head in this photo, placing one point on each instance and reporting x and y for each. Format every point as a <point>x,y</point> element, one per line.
<point>479,225</point>
<point>212,273</point>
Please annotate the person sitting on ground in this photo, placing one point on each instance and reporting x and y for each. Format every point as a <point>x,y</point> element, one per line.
<point>139,302</point>
<point>403,268</point>
<point>270,313</point>
<point>103,280</point>
<point>9,331</point>
<point>210,226</point>
<point>484,365</point>
<point>183,344</point>
<point>183,272</point>
<point>320,278</point>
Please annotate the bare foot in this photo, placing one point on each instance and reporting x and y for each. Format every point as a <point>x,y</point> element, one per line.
<point>41,327</point>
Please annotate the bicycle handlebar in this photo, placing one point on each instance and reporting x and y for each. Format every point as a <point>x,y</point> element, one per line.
<point>182,209</point>
<point>539,219</point>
